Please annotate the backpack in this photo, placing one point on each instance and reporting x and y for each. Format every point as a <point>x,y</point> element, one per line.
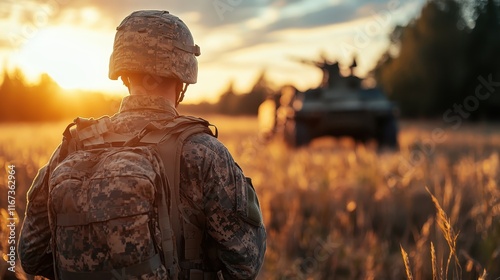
<point>113,202</point>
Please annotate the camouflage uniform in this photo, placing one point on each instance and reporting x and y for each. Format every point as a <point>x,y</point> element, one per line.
<point>211,184</point>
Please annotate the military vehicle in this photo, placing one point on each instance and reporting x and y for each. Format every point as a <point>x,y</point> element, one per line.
<point>340,106</point>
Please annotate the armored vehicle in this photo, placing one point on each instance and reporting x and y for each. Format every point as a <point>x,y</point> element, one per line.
<point>340,106</point>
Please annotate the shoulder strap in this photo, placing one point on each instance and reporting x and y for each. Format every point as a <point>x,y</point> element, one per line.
<point>156,133</point>
<point>169,144</point>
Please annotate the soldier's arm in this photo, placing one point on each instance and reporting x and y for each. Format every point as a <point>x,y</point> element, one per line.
<point>34,242</point>
<point>233,217</point>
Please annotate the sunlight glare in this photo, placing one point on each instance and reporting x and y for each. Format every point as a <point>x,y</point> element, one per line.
<point>75,58</point>
<point>90,15</point>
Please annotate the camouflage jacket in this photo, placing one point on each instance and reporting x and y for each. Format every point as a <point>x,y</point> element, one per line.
<point>211,182</point>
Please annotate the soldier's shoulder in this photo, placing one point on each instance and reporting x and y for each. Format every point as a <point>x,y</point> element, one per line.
<point>205,143</point>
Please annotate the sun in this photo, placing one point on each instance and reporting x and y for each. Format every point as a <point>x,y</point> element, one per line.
<point>75,58</point>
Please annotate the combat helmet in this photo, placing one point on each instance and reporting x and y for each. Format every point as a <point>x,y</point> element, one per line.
<point>154,42</point>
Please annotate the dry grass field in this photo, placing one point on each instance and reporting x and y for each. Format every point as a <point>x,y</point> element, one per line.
<point>340,210</point>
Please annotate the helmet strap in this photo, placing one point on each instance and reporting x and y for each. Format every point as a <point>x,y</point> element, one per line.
<point>125,81</point>
<point>182,88</point>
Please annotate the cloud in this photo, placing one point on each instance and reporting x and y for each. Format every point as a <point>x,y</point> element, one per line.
<point>252,22</point>
<point>298,15</point>
<point>334,13</point>
<point>304,16</point>
<point>211,13</point>
<point>329,15</point>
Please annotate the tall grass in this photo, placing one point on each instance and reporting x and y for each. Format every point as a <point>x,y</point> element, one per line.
<point>339,210</point>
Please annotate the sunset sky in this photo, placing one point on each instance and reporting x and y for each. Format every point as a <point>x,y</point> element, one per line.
<point>72,40</point>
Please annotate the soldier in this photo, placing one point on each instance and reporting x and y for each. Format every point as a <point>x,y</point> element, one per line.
<point>155,57</point>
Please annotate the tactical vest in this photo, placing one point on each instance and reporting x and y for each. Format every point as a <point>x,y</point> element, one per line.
<point>114,203</point>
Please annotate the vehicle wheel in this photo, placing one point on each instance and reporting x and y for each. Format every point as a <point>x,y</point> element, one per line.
<point>387,134</point>
<point>296,134</point>
<point>302,134</point>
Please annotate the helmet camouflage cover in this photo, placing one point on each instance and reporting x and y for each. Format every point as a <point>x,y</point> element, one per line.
<point>157,43</point>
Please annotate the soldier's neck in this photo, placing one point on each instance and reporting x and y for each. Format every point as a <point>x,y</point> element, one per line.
<point>166,91</point>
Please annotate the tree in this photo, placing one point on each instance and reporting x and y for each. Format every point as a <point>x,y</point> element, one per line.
<point>250,102</point>
<point>228,102</point>
<point>244,104</point>
<point>44,101</point>
<point>482,54</point>
<point>435,60</point>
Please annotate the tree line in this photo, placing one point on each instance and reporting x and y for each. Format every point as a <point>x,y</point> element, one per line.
<point>445,62</point>
<point>46,101</point>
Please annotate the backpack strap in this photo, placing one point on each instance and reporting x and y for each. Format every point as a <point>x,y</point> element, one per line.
<point>170,150</point>
<point>155,133</point>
